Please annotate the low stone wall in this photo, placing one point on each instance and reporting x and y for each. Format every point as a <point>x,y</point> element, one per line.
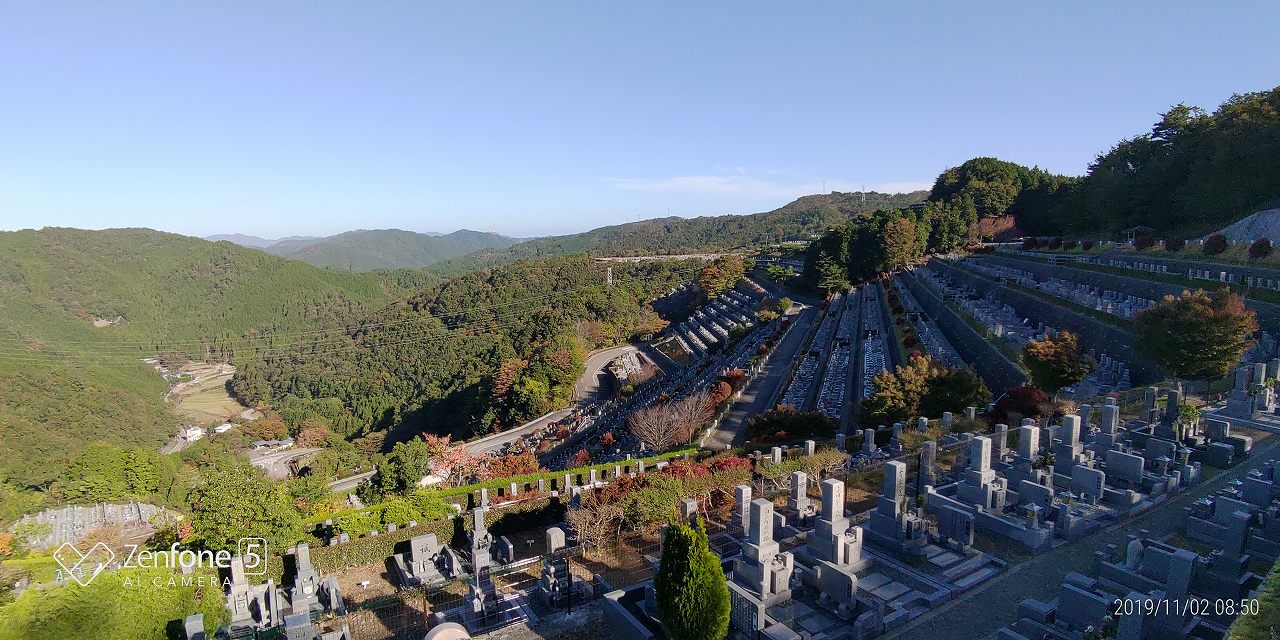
<point>1268,313</point>
<point>992,365</point>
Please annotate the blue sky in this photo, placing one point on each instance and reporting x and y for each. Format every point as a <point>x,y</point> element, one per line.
<point>527,118</point>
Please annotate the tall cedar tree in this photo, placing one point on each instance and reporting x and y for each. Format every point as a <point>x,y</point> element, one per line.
<point>1196,335</point>
<point>692,595</point>
<point>1057,361</point>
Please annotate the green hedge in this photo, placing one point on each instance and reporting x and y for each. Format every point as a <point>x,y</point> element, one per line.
<point>501,521</point>
<point>465,491</point>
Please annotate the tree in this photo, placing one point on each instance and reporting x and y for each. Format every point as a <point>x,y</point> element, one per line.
<point>512,465</point>
<point>407,464</point>
<point>238,500</point>
<point>921,387</point>
<point>901,244</point>
<point>451,461</point>
<point>784,422</point>
<point>662,426</point>
<point>596,522</point>
<point>1019,402</point>
<point>1196,335</point>
<point>690,587</point>
<point>720,276</point>
<point>831,275</point>
<point>1057,361</point>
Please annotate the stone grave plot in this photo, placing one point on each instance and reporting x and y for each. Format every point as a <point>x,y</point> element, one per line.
<point>931,338</point>
<point>263,607</point>
<point>1143,571</point>
<point>874,348</point>
<point>1243,519</point>
<point>1063,481</point>
<point>1004,323</point>
<point>1252,401</point>
<point>71,523</point>
<point>1097,298</point>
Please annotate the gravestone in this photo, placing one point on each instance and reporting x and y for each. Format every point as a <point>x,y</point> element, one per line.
<point>798,504</point>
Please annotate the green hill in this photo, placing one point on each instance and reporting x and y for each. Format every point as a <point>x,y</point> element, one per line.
<point>65,382</point>
<point>803,219</point>
<point>388,248</point>
<point>1195,172</point>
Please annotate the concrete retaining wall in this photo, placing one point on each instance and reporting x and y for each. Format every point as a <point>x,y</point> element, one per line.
<point>1094,334</point>
<point>992,365</point>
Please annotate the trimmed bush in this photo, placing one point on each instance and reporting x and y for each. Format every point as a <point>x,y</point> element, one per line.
<point>1260,248</point>
<point>690,588</point>
<point>1214,245</point>
<point>1056,243</point>
<point>1174,244</point>
<point>1069,244</point>
<point>1144,241</point>
<point>1086,245</point>
<point>1029,244</point>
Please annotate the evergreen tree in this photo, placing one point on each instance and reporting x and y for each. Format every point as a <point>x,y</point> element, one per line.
<point>692,595</point>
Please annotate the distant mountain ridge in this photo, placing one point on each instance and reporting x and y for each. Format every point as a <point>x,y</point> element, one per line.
<point>371,250</point>
<point>802,219</point>
<point>254,242</point>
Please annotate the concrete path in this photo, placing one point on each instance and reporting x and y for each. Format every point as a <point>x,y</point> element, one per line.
<point>758,394</point>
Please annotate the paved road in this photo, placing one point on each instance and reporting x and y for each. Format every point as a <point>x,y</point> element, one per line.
<point>759,392</point>
<point>276,463</point>
<point>595,377</point>
<point>346,484</point>
<point>982,612</point>
<point>584,390</point>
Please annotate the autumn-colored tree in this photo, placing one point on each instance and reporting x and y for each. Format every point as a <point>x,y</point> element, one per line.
<point>505,378</point>
<point>582,459</point>
<point>268,427</point>
<point>312,436</point>
<point>451,461</point>
<point>1018,403</point>
<point>720,392</point>
<point>515,464</point>
<point>607,439</point>
<point>1057,361</point>
<point>720,276</point>
<point>737,378</point>
<point>920,388</point>
<point>1196,335</point>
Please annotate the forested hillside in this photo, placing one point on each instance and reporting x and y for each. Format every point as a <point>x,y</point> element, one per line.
<point>65,382</point>
<point>1193,173</point>
<point>803,219</point>
<point>388,248</point>
<point>485,350</point>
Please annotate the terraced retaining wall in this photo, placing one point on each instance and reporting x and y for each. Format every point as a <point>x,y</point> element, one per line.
<point>1268,313</point>
<point>996,370</point>
<point>1094,334</point>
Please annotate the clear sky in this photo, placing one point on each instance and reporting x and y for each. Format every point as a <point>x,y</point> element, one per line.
<point>524,117</point>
